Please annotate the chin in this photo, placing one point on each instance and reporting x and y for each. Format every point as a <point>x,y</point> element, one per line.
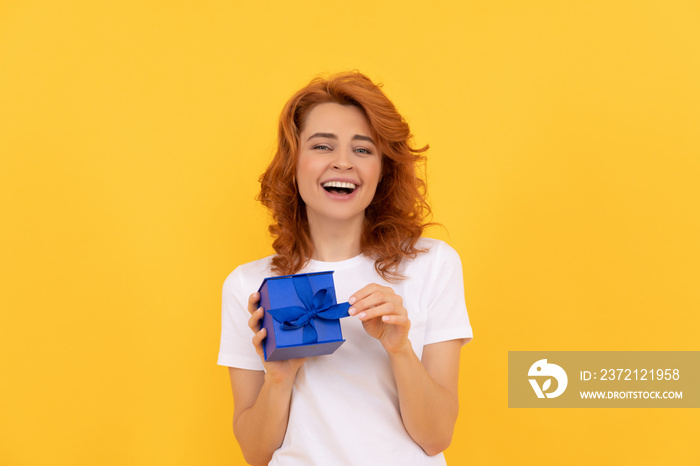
<point>335,215</point>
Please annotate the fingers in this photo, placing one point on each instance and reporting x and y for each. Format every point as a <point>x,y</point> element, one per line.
<point>255,319</point>
<point>383,315</point>
<point>258,339</point>
<point>375,300</point>
<point>256,315</point>
<point>253,301</point>
<point>402,321</point>
<point>366,291</point>
<point>383,310</point>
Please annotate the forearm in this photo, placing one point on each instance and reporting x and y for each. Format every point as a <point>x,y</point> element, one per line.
<point>261,428</point>
<point>429,411</point>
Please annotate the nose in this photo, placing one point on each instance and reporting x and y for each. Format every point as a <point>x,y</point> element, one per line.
<point>342,160</point>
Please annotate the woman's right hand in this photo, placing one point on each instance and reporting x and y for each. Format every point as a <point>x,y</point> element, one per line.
<point>261,400</point>
<point>278,371</point>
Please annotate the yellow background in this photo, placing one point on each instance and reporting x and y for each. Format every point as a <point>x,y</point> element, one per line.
<point>564,165</point>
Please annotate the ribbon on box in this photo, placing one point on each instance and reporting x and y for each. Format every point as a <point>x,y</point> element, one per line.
<point>319,305</point>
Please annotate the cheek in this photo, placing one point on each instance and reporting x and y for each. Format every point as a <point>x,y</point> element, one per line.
<point>304,169</point>
<point>373,172</point>
<point>307,176</point>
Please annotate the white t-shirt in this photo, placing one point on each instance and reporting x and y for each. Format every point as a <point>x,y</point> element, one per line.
<point>345,406</point>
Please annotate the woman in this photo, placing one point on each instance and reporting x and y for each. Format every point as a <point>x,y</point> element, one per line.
<point>344,196</point>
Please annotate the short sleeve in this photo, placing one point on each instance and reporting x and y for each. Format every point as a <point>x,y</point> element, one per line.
<point>236,348</point>
<point>447,310</point>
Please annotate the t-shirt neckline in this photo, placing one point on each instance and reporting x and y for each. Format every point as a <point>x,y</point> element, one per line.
<point>344,264</point>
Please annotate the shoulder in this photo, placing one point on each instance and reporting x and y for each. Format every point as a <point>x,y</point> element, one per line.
<point>436,259</point>
<point>436,252</point>
<point>248,277</point>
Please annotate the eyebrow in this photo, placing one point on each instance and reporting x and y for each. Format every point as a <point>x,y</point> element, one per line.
<point>333,136</point>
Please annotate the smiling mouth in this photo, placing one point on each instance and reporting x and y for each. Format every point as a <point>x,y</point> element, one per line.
<point>339,187</point>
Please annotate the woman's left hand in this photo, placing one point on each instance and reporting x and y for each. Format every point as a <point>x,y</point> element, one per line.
<point>383,316</point>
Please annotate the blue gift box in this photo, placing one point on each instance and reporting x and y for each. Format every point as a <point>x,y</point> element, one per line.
<point>301,316</point>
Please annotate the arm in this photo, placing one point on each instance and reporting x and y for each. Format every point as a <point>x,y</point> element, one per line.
<point>427,390</point>
<point>428,393</point>
<point>261,399</point>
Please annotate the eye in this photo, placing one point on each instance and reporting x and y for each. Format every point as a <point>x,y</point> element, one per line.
<point>322,147</point>
<point>364,151</point>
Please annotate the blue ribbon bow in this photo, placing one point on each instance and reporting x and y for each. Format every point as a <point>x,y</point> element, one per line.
<point>319,305</point>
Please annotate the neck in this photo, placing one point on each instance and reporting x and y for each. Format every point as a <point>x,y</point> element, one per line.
<point>336,241</point>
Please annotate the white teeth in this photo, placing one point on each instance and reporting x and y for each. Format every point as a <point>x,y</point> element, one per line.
<point>339,184</point>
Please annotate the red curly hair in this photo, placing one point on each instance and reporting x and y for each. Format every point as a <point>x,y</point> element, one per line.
<point>394,220</point>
